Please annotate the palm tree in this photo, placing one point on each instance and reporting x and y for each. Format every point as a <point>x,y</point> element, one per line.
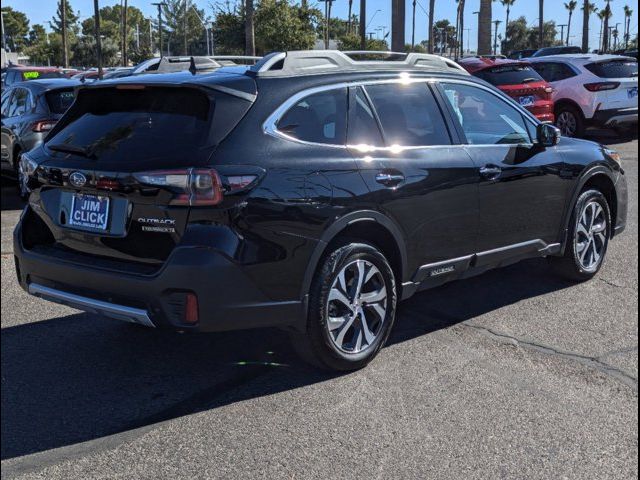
<point>508,4</point>
<point>397,25</point>
<point>540,23</point>
<point>349,17</point>
<point>601,15</point>
<point>432,6</point>
<point>571,6</point>
<point>605,32</point>
<point>627,24</point>
<point>484,28</point>
<point>461,25</point>
<point>587,9</point>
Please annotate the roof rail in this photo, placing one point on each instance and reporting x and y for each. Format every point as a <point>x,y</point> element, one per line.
<point>309,62</point>
<point>226,60</point>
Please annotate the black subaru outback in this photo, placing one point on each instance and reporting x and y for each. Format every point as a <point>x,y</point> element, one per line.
<point>310,192</point>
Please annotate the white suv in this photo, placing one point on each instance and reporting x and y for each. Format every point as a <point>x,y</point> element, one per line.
<point>591,90</point>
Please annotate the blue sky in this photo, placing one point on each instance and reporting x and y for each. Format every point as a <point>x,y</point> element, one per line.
<point>379,13</point>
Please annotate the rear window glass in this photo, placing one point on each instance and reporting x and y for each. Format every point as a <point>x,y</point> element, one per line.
<point>318,118</point>
<point>510,75</point>
<point>615,69</point>
<point>60,100</point>
<point>124,125</point>
<point>36,75</point>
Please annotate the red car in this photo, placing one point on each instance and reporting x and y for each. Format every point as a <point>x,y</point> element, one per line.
<point>518,80</point>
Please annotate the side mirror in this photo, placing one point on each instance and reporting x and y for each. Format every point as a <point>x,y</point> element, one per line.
<point>548,135</point>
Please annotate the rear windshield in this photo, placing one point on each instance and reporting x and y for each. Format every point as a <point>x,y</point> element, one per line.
<point>36,75</point>
<point>614,69</point>
<point>510,75</point>
<point>122,125</point>
<point>59,100</point>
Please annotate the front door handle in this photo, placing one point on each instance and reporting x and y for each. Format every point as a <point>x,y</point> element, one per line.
<point>390,179</point>
<point>490,172</point>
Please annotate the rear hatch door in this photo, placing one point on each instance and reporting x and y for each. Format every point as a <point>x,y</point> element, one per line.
<point>113,171</point>
<point>623,75</point>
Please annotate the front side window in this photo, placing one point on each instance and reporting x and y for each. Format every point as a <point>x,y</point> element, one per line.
<point>6,101</point>
<point>409,114</point>
<point>484,118</point>
<point>318,118</point>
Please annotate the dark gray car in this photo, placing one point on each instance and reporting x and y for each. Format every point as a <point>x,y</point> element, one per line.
<point>29,111</point>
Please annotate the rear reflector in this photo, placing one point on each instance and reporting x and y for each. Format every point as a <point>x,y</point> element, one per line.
<point>191,309</point>
<point>600,86</point>
<point>43,126</point>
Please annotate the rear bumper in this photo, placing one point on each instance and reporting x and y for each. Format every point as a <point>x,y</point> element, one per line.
<point>227,298</point>
<point>615,117</point>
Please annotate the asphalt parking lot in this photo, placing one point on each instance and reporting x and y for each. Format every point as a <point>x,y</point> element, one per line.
<point>513,374</point>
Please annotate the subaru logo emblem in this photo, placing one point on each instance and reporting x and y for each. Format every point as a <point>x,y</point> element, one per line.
<point>77,179</point>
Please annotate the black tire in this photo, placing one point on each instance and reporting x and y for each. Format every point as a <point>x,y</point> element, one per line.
<point>570,265</point>
<point>570,121</point>
<point>317,345</point>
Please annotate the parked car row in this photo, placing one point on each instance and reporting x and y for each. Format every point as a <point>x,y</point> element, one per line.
<point>311,192</point>
<point>574,91</point>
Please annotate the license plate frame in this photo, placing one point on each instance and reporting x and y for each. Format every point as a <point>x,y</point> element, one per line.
<point>99,205</point>
<point>527,100</point>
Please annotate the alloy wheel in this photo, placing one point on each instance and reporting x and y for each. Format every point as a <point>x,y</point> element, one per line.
<point>356,306</point>
<point>591,236</point>
<point>567,123</point>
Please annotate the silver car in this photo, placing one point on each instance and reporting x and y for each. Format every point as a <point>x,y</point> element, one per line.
<point>29,111</point>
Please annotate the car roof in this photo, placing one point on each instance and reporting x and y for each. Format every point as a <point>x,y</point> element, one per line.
<point>47,84</point>
<point>581,58</point>
<point>33,69</point>
<point>475,64</point>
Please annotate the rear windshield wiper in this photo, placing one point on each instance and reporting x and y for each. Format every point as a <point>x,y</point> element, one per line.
<point>64,147</point>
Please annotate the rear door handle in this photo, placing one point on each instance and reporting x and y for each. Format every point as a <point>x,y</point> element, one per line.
<point>490,172</point>
<point>390,179</point>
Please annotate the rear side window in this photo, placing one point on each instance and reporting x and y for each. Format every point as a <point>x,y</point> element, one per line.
<point>318,118</point>
<point>363,127</point>
<point>132,125</point>
<point>409,114</point>
<point>554,72</point>
<point>614,69</point>
<point>59,100</point>
<point>509,75</point>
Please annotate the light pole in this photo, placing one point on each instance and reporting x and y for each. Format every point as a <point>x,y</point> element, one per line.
<point>4,38</point>
<point>468,30</point>
<point>160,5</point>
<point>562,30</point>
<point>495,36</point>
<point>96,13</point>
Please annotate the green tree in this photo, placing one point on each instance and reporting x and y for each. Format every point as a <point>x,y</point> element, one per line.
<point>72,18</point>
<point>282,26</point>
<point>549,34</point>
<point>84,52</point>
<point>16,27</point>
<point>507,4</point>
<point>228,30</point>
<point>352,42</point>
<point>628,13</point>
<point>187,31</point>
<point>607,14</point>
<point>517,35</point>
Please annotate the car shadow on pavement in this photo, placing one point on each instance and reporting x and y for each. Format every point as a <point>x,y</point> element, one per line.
<point>9,199</point>
<point>77,378</point>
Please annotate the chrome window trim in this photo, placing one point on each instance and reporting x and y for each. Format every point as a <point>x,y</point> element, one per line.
<point>269,126</point>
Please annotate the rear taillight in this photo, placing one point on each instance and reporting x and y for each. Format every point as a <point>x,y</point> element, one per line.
<point>600,86</point>
<point>193,186</point>
<point>43,126</point>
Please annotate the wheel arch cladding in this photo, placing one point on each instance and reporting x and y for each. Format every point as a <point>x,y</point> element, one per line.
<point>567,101</point>
<point>369,227</point>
